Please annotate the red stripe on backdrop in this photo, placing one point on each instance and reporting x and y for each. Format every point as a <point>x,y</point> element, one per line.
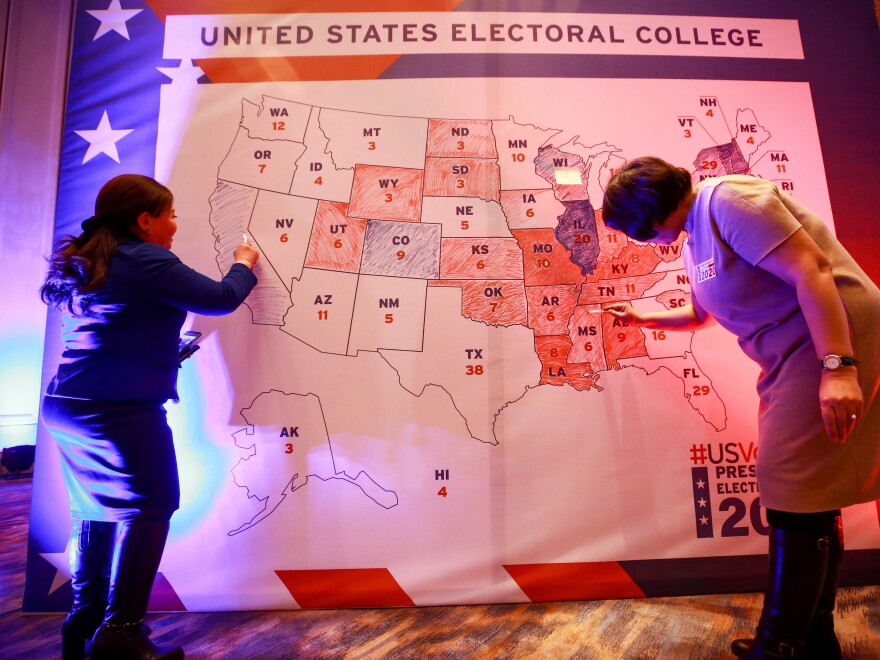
<point>582,581</point>
<point>345,587</point>
<point>193,7</point>
<point>163,597</point>
<point>265,69</point>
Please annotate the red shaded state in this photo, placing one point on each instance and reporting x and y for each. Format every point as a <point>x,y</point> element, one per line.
<point>461,139</point>
<point>556,370</point>
<point>386,193</point>
<point>674,299</point>
<point>498,302</point>
<point>550,308</point>
<point>580,581</point>
<point>545,260</point>
<point>622,288</point>
<point>462,177</point>
<point>669,253</point>
<point>530,208</point>
<point>586,331</point>
<point>344,587</point>
<point>611,241</point>
<point>480,258</point>
<point>719,160</point>
<point>633,259</point>
<point>337,240</point>
<point>621,341</point>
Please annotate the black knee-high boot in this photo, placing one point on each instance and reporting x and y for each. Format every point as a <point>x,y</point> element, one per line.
<point>139,549</point>
<point>90,553</point>
<point>822,642</point>
<point>798,564</point>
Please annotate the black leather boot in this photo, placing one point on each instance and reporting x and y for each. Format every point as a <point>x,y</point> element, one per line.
<point>822,642</point>
<point>798,565</point>
<point>139,549</point>
<point>90,554</point>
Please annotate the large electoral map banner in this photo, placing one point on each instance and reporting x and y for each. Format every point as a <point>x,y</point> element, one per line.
<point>419,404</point>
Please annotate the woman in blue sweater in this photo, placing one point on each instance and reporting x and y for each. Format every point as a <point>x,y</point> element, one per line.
<point>124,297</point>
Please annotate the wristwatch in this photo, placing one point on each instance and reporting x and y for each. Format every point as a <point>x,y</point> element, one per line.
<point>833,362</point>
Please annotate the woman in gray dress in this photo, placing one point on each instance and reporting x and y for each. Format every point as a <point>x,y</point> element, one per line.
<point>770,271</point>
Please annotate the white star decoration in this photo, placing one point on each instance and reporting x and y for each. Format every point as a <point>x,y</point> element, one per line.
<point>701,502</point>
<point>103,139</point>
<point>701,483</point>
<point>113,19</point>
<point>62,568</point>
<point>186,73</point>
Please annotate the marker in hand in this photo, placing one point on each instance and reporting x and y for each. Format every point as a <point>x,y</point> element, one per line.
<point>245,252</point>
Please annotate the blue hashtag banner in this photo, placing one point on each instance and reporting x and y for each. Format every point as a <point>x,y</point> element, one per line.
<point>702,503</point>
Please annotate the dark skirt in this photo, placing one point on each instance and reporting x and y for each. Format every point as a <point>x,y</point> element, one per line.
<point>117,457</point>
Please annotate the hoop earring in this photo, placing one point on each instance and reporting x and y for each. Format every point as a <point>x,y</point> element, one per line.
<point>149,231</point>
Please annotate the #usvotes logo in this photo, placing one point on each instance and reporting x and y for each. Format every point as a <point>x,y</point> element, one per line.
<point>706,270</point>
<point>728,471</point>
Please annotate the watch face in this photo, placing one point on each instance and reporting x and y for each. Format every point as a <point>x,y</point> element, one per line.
<point>831,362</point>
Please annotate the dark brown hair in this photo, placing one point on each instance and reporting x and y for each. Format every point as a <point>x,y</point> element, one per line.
<point>645,190</point>
<point>78,266</point>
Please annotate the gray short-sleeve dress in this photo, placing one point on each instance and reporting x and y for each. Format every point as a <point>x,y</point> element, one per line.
<point>734,223</point>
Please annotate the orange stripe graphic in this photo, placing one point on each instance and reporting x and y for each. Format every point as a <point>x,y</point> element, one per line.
<point>345,587</point>
<point>581,581</point>
<point>163,597</point>
<point>265,69</point>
